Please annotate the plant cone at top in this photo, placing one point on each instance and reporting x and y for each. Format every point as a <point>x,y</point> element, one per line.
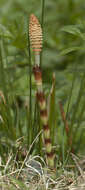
<point>35,33</point>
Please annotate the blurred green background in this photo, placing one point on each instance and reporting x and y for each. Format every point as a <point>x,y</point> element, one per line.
<point>63,46</point>
<point>63,53</point>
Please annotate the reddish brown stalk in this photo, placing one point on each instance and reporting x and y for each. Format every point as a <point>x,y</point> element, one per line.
<point>2,97</point>
<point>66,126</point>
<point>35,33</point>
<point>44,116</point>
<point>64,118</point>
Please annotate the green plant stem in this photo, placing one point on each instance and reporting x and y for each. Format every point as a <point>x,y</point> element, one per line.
<point>30,95</point>
<point>71,91</point>
<point>78,100</point>
<point>77,127</point>
<point>42,24</point>
<point>43,12</point>
<point>6,108</point>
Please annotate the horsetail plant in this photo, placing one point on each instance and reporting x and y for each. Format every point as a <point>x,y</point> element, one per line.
<point>35,34</point>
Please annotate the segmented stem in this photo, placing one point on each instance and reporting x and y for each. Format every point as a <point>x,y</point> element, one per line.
<point>35,33</point>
